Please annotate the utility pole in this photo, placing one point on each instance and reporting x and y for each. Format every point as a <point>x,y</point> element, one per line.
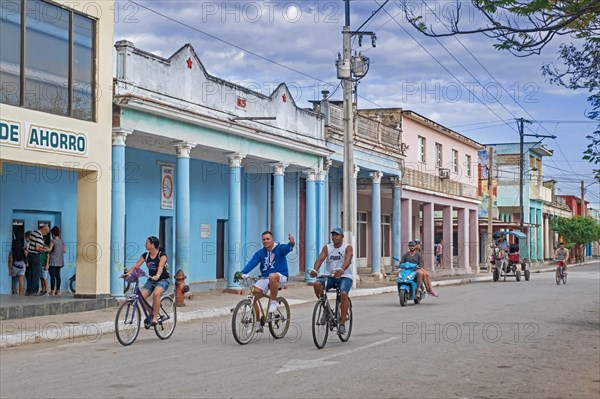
<point>583,210</point>
<point>349,206</point>
<point>490,205</point>
<point>349,70</point>
<point>520,124</point>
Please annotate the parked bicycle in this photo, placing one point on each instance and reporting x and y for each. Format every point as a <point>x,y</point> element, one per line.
<point>326,319</point>
<point>73,282</point>
<point>244,319</point>
<point>129,315</point>
<point>561,274</point>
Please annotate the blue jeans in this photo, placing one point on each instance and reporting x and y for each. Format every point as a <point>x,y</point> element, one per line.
<point>33,273</point>
<point>344,283</point>
<point>150,284</point>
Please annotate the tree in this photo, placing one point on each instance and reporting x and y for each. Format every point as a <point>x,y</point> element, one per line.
<point>525,28</point>
<point>522,27</point>
<point>579,230</point>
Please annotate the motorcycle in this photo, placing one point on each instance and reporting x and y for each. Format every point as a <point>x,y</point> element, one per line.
<point>407,284</point>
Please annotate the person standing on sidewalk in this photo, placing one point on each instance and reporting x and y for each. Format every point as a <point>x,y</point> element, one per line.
<point>439,252</point>
<point>35,248</point>
<point>57,260</point>
<point>273,269</point>
<point>16,267</point>
<point>338,260</point>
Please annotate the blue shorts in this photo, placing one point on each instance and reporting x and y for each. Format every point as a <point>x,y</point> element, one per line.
<point>344,283</point>
<point>150,284</point>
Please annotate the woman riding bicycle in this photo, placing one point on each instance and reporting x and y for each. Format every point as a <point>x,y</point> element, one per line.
<point>158,275</point>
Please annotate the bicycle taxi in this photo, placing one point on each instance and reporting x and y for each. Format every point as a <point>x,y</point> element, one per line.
<point>517,263</point>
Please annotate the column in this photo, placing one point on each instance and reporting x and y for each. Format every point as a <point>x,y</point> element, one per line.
<point>376,223</point>
<point>427,241</point>
<point>322,234</point>
<point>406,217</point>
<point>474,239</point>
<point>448,228</point>
<point>335,202</point>
<point>463,239</point>
<point>117,219</point>
<point>540,236</point>
<point>234,228</point>
<point>416,221</point>
<point>355,227</point>
<point>547,237</point>
<point>310,240</point>
<point>396,219</point>
<point>182,207</point>
<point>278,202</point>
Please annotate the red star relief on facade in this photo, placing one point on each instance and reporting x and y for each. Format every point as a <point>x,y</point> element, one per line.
<point>189,62</point>
<point>284,98</point>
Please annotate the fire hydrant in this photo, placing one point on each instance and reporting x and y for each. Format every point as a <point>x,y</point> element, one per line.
<point>180,287</point>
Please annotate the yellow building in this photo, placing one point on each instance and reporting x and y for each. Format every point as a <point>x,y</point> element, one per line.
<point>55,131</point>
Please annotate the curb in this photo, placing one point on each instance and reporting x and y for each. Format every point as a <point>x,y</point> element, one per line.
<point>94,331</point>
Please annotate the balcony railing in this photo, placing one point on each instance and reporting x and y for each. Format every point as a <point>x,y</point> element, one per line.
<point>367,130</point>
<point>430,181</point>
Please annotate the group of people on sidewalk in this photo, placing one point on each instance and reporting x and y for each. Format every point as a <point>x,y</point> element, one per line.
<point>32,264</point>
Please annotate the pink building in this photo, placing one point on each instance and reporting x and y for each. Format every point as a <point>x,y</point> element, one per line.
<point>439,192</point>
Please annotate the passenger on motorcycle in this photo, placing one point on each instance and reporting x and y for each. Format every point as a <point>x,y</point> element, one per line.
<point>414,256</point>
<point>562,255</point>
<point>426,275</point>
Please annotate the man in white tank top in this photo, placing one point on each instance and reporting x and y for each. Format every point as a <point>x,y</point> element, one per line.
<point>338,262</point>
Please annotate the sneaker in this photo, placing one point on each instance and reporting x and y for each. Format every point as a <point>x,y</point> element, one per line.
<point>341,329</point>
<point>323,319</point>
<point>434,294</point>
<point>273,307</point>
<point>259,327</point>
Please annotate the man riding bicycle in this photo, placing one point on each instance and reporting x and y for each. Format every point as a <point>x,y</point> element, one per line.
<point>338,261</point>
<point>562,255</point>
<point>273,268</point>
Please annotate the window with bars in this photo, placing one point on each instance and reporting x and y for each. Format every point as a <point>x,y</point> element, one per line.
<point>421,143</point>
<point>455,161</point>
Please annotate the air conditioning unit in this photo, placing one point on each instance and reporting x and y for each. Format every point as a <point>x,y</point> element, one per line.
<point>444,173</point>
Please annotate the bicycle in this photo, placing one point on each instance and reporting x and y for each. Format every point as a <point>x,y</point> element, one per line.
<point>326,319</point>
<point>128,318</point>
<point>561,275</point>
<point>243,320</point>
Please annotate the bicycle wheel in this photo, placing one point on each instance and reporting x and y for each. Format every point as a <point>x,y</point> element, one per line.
<point>127,322</point>
<point>167,318</point>
<point>279,322</point>
<point>558,276</point>
<point>345,337</point>
<point>243,321</point>
<point>564,277</point>
<point>320,324</point>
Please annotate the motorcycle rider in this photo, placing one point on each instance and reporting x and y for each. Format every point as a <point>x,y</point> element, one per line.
<point>414,256</point>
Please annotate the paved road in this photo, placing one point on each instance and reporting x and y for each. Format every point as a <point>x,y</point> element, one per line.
<point>529,339</point>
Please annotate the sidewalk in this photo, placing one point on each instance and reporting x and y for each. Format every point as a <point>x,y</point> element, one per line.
<point>91,325</point>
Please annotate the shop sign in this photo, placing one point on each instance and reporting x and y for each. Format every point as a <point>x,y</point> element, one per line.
<point>54,140</point>
<point>10,132</point>
<point>166,187</point>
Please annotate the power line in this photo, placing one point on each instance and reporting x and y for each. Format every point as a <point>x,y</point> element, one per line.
<point>443,66</point>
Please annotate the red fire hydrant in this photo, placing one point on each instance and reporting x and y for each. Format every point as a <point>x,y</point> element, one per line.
<point>180,288</point>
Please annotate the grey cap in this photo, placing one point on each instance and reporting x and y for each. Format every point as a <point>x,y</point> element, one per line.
<point>338,230</point>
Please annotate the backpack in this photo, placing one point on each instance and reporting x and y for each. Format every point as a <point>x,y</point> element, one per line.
<point>165,273</point>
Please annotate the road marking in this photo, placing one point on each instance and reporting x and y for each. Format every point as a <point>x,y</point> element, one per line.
<point>300,364</point>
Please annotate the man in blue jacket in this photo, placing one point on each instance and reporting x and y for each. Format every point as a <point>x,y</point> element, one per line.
<point>273,269</point>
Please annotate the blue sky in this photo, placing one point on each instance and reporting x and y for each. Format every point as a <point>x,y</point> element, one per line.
<point>462,83</point>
